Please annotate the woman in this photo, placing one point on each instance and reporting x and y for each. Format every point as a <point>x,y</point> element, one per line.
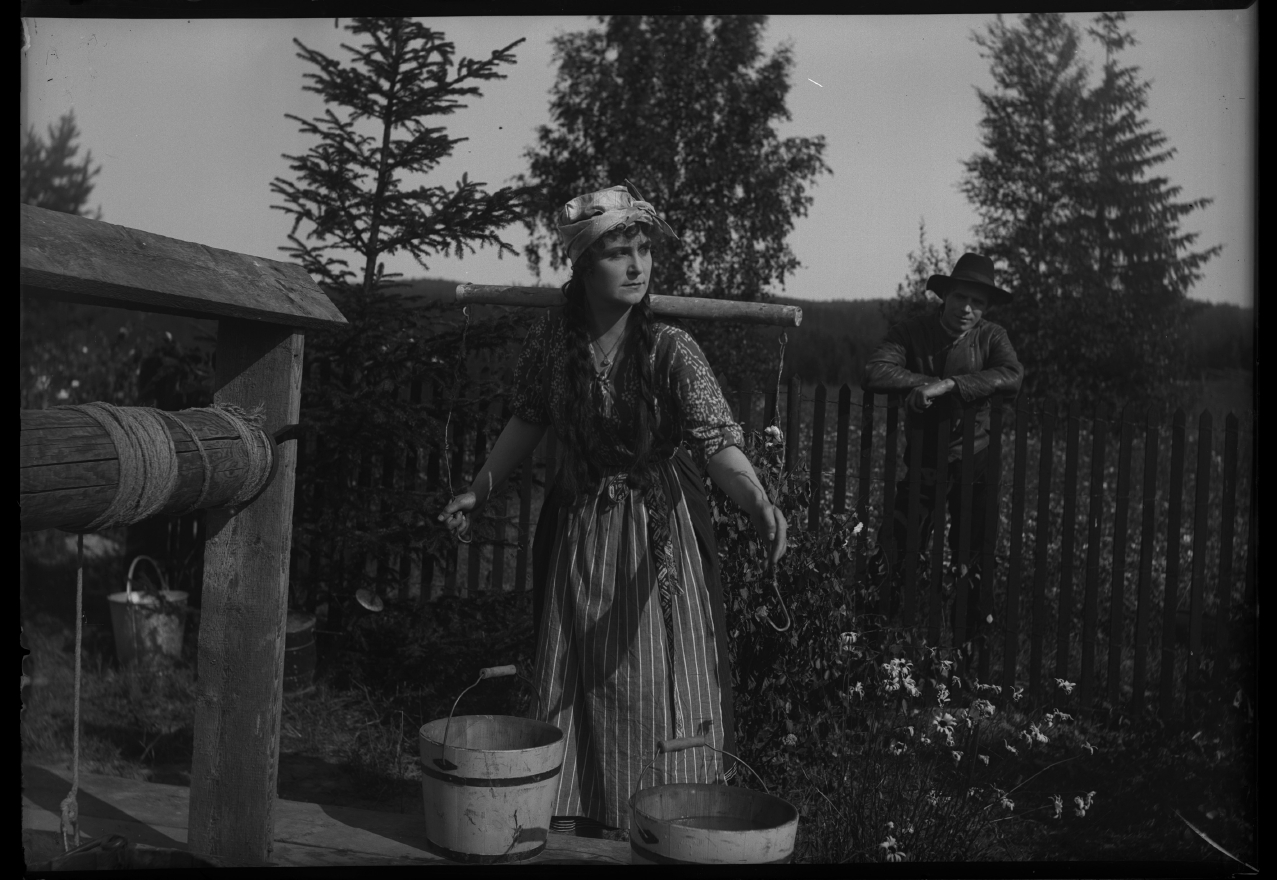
<point>631,640</point>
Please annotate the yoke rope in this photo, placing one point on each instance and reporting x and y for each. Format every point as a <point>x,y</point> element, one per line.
<point>148,459</point>
<point>69,822</point>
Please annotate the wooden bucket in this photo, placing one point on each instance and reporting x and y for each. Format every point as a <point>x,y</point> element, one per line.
<point>702,824</point>
<point>488,783</point>
<point>147,624</point>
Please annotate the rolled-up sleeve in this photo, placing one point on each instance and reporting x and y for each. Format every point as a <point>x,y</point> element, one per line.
<point>705,415</point>
<point>531,386</point>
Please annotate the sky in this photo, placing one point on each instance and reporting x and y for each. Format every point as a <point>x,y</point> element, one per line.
<point>187,119</point>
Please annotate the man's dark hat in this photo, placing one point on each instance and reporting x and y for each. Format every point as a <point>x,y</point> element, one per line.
<point>973,269</point>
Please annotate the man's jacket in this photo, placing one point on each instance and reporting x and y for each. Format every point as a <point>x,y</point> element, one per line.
<point>918,351</point>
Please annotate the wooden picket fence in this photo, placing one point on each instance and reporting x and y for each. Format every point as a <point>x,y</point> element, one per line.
<point>1069,572</point>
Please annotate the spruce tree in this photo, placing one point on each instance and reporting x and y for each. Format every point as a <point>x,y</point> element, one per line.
<point>1087,238</point>
<point>51,177</point>
<point>686,107</point>
<point>357,196</point>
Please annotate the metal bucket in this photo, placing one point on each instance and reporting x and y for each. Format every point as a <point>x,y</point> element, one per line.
<point>488,783</point>
<point>147,624</point>
<point>702,824</point>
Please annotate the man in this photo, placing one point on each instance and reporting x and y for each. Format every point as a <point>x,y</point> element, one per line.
<point>942,361</point>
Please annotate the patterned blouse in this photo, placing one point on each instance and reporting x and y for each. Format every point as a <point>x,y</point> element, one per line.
<point>687,395</point>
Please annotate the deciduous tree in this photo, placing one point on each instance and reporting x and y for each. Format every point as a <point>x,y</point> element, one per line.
<point>687,108</point>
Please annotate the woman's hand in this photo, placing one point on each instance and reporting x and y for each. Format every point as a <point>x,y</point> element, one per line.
<point>456,516</point>
<point>772,528</point>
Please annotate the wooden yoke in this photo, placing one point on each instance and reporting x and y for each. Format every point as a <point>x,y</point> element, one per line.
<point>263,306</point>
<point>695,307</point>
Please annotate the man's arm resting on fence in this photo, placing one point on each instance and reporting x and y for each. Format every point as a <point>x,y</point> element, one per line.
<point>885,371</point>
<point>1002,373</point>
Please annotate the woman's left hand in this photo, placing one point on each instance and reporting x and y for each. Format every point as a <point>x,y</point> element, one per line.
<point>772,528</point>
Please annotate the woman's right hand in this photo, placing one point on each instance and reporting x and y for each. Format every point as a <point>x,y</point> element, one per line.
<point>456,515</point>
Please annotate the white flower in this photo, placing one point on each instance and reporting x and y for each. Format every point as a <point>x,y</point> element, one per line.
<point>848,639</point>
<point>984,759</point>
<point>860,527</point>
<point>1037,734</point>
<point>1079,808</point>
<point>63,394</point>
<point>955,681</point>
<point>942,694</point>
<point>773,435</point>
<point>984,707</point>
<point>957,756</point>
<point>1058,803</point>
<point>1090,748</point>
<point>84,349</point>
<point>791,740</point>
<point>859,690</point>
<point>897,748</point>
<point>1017,692</point>
<point>1010,748</point>
<point>1008,803</point>
<point>1066,686</point>
<point>932,797</point>
<point>75,383</point>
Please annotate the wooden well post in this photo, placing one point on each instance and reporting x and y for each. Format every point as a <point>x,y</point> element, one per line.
<point>263,308</point>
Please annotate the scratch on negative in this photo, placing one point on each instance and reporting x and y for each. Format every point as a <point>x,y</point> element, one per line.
<point>813,82</point>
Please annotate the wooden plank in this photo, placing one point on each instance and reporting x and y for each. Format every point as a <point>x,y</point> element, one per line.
<point>865,480</point>
<point>817,460</point>
<point>840,449</point>
<point>63,256</point>
<point>1117,594</point>
<point>1143,602</point>
<point>698,308</point>
<point>1042,543</point>
<point>793,407</point>
<point>1170,598</point>
<point>1011,619</point>
<point>941,465</point>
<point>992,517</point>
<point>962,619</point>
<point>913,531</point>
<point>1065,627</point>
<point>1095,514</point>
<point>890,453</point>
<point>1228,519</point>
<point>1197,585</point>
<point>245,603</point>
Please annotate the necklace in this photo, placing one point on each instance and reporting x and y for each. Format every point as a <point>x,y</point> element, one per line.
<point>606,356</point>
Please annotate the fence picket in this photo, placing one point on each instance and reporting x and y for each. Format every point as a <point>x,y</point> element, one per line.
<point>1117,598</point>
<point>1143,602</point>
<point>992,516</point>
<point>1170,599</point>
<point>410,561</point>
<point>963,629</point>
<point>840,449</point>
<point>941,466</point>
<point>862,490</point>
<point>525,521</point>
<point>793,404</point>
<point>909,598</point>
<point>1197,599</point>
<point>1095,513</point>
<point>434,470</point>
<point>454,471</point>
<point>817,459</point>
<point>1042,539</point>
<point>745,405</point>
<point>1065,628</point>
<point>1228,517</point>
<point>1011,619</point>
<point>891,552</point>
<point>499,540</point>
<point>472,564</point>
<point>770,402</point>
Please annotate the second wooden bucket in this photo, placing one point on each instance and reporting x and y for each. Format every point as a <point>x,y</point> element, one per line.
<point>702,824</point>
<point>488,783</point>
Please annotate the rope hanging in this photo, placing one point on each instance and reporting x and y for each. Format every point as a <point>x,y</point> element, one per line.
<point>69,821</point>
<point>148,459</point>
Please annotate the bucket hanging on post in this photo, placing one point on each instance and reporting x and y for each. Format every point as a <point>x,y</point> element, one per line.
<point>488,783</point>
<point>696,823</point>
<point>147,624</point>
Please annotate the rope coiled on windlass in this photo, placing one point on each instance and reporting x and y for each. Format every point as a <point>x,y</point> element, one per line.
<point>148,460</point>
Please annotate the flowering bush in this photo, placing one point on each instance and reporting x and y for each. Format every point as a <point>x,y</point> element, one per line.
<point>890,749</point>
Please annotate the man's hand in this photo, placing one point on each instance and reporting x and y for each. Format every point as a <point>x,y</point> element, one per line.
<point>921,396</point>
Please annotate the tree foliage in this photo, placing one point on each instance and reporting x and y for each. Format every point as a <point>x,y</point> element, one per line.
<point>911,296</point>
<point>1087,236</point>
<point>52,177</point>
<point>687,108</point>
<point>357,196</point>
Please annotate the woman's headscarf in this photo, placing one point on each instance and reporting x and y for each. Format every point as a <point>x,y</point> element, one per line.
<point>584,219</point>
